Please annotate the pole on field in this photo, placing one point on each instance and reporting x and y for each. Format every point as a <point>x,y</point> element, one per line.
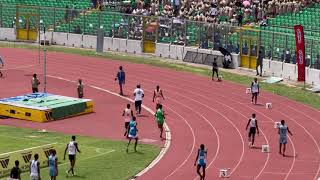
<point>45,60</point>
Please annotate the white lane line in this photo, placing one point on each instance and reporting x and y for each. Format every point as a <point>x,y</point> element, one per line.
<point>19,67</point>
<point>311,136</point>
<point>167,130</point>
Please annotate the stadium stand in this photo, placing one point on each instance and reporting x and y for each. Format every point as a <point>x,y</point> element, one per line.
<point>205,24</point>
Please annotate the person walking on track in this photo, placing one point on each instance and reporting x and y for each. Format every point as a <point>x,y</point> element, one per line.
<point>128,115</point>
<point>253,123</point>
<point>72,148</point>
<point>138,96</point>
<point>133,133</point>
<point>201,161</point>
<point>121,77</point>
<point>215,69</point>
<point>2,65</point>
<point>35,168</point>
<point>80,89</point>
<point>35,83</point>
<point>160,118</point>
<point>158,96</point>
<point>255,89</point>
<point>53,165</point>
<point>282,131</point>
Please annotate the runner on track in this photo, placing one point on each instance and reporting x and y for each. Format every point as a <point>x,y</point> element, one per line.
<point>160,118</point>
<point>138,95</point>
<point>128,115</point>
<point>53,165</point>
<point>158,95</point>
<point>282,131</point>
<point>2,65</point>
<point>133,133</point>
<point>72,148</point>
<point>121,77</point>
<point>255,90</point>
<point>201,161</point>
<point>253,129</point>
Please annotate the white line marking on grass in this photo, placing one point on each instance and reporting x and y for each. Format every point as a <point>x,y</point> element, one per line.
<point>26,149</point>
<point>167,130</point>
<point>91,157</point>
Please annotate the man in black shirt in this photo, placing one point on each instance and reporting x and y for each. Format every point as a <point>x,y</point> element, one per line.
<point>215,68</point>
<point>15,171</point>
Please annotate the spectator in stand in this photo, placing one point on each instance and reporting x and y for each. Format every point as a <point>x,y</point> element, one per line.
<point>317,62</point>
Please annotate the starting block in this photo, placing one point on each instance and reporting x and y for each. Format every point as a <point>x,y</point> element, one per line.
<point>276,125</point>
<point>268,105</point>
<point>265,149</point>
<point>248,90</point>
<point>224,173</point>
<point>220,78</point>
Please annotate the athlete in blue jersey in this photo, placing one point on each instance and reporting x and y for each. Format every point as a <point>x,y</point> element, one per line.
<point>201,161</point>
<point>282,131</point>
<point>53,165</point>
<point>133,133</point>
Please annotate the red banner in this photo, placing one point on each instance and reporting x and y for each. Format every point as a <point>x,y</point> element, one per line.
<point>300,52</point>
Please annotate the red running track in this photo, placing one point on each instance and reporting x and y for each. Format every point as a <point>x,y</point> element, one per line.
<point>199,111</point>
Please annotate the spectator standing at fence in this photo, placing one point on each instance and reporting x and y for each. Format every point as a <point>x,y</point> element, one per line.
<point>15,171</point>
<point>255,90</point>
<point>215,69</point>
<point>35,83</point>
<point>317,62</point>
<point>260,61</point>
<point>121,77</point>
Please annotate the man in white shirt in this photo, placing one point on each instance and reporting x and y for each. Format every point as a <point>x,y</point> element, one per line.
<point>35,168</point>
<point>138,95</point>
<point>72,148</point>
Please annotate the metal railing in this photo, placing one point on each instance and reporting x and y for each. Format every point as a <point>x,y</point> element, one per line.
<point>277,45</point>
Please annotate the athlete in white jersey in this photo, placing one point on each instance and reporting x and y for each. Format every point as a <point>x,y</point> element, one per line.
<point>282,131</point>
<point>253,123</point>
<point>127,114</point>
<point>158,96</point>
<point>255,90</point>
<point>72,149</point>
<point>35,168</point>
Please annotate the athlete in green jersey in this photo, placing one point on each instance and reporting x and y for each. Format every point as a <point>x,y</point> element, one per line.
<point>160,118</point>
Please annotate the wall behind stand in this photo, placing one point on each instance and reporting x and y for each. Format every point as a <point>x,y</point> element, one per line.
<point>7,34</point>
<point>289,71</point>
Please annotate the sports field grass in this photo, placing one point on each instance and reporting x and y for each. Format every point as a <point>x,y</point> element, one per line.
<point>100,159</point>
<point>294,93</point>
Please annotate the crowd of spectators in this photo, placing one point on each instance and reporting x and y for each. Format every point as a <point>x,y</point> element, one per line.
<point>233,11</point>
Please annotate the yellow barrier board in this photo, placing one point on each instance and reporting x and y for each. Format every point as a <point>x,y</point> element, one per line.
<point>24,157</point>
